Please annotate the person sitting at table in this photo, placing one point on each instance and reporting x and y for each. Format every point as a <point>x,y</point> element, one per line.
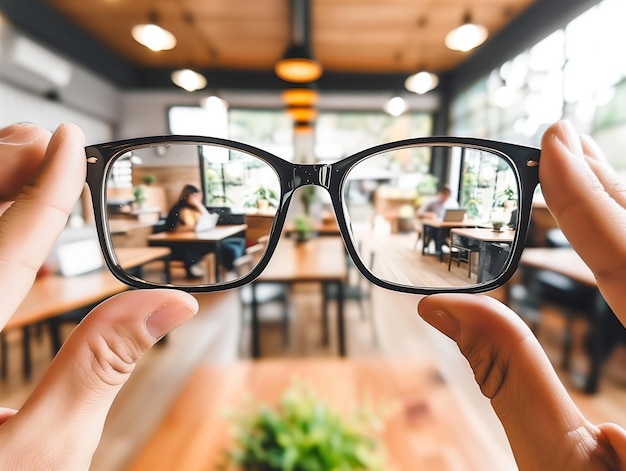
<point>435,208</point>
<point>190,214</point>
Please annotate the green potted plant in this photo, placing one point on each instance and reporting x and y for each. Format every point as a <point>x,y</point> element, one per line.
<point>303,433</point>
<point>139,193</point>
<point>506,198</point>
<point>149,179</point>
<point>262,198</point>
<point>303,227</point>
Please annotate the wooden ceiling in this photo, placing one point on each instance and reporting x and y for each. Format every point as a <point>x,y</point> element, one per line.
<point>363,36</point>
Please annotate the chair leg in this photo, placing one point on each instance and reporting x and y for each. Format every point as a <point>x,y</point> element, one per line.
<point>567,344</point>
<point>325,335</point>
<point>27,363</point>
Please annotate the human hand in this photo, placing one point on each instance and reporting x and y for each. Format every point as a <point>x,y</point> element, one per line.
<point>59,426</point>
<point>544,427</point>
<point>195,200</point>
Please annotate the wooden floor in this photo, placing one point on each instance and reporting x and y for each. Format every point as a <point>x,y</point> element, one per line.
<point>390,329</point>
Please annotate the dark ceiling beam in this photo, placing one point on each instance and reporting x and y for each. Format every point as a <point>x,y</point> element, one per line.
<point>538,21</point>
<point>153,78</point>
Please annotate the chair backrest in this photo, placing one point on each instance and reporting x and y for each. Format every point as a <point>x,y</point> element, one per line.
<point>247,261</point>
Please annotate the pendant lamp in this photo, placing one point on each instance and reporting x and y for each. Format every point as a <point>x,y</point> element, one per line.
<point>298,64</point>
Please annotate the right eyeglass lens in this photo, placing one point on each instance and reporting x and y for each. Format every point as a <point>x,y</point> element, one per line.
<point>408,232</point>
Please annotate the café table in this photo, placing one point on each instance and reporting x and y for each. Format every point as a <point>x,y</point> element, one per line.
<point>483,238</point>
<point>425,424</point>
<point>439,231</point>
<point>317,260</point>
<point>566,262</point>
<point>54,295</point>
<point>323,229</point>
<point>208,241</point>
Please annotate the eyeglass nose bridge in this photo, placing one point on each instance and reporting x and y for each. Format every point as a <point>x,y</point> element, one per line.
<point>310,174</point>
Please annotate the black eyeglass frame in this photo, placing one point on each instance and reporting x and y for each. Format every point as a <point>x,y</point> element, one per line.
<point>332,177</point>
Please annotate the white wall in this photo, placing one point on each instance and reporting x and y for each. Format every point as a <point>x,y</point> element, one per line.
<point>83,98</point>
<point>18,106</point>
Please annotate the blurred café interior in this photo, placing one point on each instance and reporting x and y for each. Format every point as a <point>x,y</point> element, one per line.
<point>313,82</point>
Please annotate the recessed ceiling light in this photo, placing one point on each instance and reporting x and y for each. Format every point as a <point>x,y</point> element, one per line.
<point>188,79</point>
<point>153,36</point>
<point>421,82</point>
<point>467,36</point>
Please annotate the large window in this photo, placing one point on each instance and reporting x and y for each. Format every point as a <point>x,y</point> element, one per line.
<point>342,133</point>
<point>337,134</point>
<point>270,130</point>
<point>577,73</point>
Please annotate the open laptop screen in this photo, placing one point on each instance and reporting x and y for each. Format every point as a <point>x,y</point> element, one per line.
<point>454,215</point>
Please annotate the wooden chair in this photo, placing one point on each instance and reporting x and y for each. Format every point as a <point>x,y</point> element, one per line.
<point>356,289</point>
<point>267,294</point>
<point>463,250</point>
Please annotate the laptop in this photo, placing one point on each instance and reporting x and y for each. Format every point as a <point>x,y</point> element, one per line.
<point>454,215</point>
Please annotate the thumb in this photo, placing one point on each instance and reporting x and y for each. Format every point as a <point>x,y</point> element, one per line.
<point>544,427</point>
<point>59,426</point>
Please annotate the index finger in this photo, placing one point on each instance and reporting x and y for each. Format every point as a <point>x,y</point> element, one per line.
<point>590,214</point>
<point>31,225</point>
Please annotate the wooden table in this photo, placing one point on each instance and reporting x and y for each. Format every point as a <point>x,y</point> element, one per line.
<point>426,426</point>
<point>53,295</point>
<point>208,240</point>
<point>438,231</point>
<point>482,237</point>
<point>318,260</point>
<point>323,228</point>
<point>566,262</point>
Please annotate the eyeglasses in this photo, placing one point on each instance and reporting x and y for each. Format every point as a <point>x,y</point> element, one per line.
<point>379,196</point>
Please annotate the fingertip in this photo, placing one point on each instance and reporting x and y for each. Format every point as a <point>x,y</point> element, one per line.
<point>70,130</point>
<point>592,149</point>
<point>565,135</point>
<point>471,313</point>
<point>179,308</point>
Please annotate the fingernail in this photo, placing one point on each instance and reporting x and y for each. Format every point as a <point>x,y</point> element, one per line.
<point>444,322</point>
<point>20,134</point>
<point>167,318</point>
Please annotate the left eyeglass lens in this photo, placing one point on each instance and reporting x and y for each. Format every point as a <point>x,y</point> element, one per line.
<point>157,227</point>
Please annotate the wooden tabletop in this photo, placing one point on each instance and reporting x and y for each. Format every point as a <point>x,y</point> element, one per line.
<point>564,261</point>
<point>425,424</point>
<point>52,295</point>
<point>213,235</point>
<point>119,226</point>
<point>318,259</point>
<point>130,257</point>
<point>324,228</point>
<point>484,234</point>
